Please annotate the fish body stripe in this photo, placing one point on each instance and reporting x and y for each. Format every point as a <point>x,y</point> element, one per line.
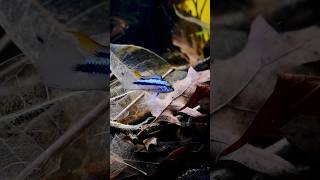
<point>93,68</point>
<point>158,89</point>
<point>154,82</point>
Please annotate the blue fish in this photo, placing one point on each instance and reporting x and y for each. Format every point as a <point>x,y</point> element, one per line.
<point>154,83</point>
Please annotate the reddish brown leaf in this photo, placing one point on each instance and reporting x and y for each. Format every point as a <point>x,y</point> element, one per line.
<point>163,109</point>
<point>202,91</point>
<point>294,96</point>
<point>244,82</point>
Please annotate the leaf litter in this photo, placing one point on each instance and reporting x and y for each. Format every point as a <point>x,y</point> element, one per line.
<point>265,98</point>
<point>148,127</point>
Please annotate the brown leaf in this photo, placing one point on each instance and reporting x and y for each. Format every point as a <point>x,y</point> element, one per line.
<point>183,37</point>
<point>260,160</point>
<point>150,141</point>
<point>167,116</point>
<point>175,101</point>
<point>97,169</point>
<point>257,159</point>
<point>294,96</point>
<point>136,118</point>
<point>172,163</point>
<point>202,91</point>
<point>304,133</point>
<point>191,112</point>
<point>186,49</point>
<point>244,82</point>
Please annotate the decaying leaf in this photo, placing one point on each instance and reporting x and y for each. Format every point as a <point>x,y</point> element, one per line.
<point>242,92</point>
<point>182,42</point>
<point>124,61</point>
<point>304,132</point>
<point>191,112</point>
<point>128,58</point>
<point>258,159</point>
<point>117,165</point>
<point>245,83</point>
<point>294,96</point>
<point>163,109</point>
<point>202,91</point>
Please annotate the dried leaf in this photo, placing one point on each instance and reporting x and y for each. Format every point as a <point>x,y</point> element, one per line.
<point>191,112</point>
<point>186,49</point>
<point>150,141</point>
<point>175,101</point>
<point>128,58</point>
<point>258,159</point>
<point>117,165</point>
<point>304,133</point>
<point>202,91</point>
<point>242,92</point>
<point>294,96</point>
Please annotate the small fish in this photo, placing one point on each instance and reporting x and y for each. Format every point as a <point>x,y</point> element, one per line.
<point>96,55</point>
<point>153,83</point>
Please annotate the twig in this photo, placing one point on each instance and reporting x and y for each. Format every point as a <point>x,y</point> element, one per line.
<point>137,161</point>
<point>129,106</point>
<point>39,106</point>
<point>13,66</point>
<point>126,127</point>
<point>65,139</point>
<point>121,95</point>
<point>119,159</point>
<point>168,72</point>
<point>87,11</point>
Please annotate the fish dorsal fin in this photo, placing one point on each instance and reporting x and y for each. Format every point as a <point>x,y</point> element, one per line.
<point>136,74</point>
<point>88,45</point>
<point>151,77</point>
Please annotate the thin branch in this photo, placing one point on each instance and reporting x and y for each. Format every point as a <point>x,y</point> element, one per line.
<point>89,10</point>
<point>129,106</point>
<point>13,66</point>
<point>65,139</point>
<point>122,95</point>
<point>39,106</point>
